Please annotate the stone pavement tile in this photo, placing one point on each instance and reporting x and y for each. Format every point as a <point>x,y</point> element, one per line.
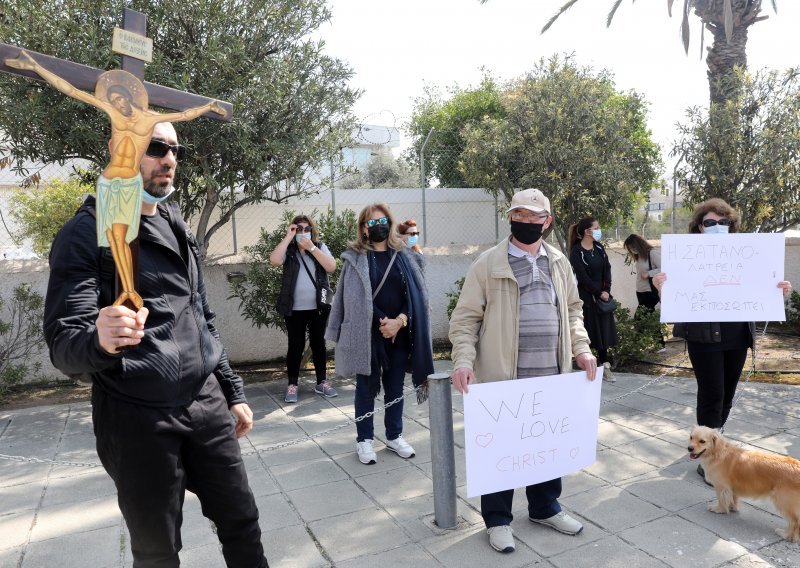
<point>263,436</point>
<point>409,556</point>
<point>90,485</point>
<point>772,416</point>
<point>608,552</point>
<point>679,412</point>
<point>417,515</point>
<point>302,451</point>
<point>274,512</point>
<point>396,485</point>
<point>77,442</point>
<point>458,428</point>
<point>750,560</point>
<point>741,431</point>
<point>206,556</point>
<point>614,466</point>
<point>329,500</point>
<point>614,412</point>
<point>678,437</point>
<point>299,474</point>
<point>579,482</point>
<point>260,481</point>
<point>547,542</point>
<point>685,394</point>
<point>782,553</point>
<point>358,534</point>
<point>650,424</point>
<point>612,435</point>
<point>22,497</point>
<point>751,528</point>
<point>99,548</point>
<point>43,419</point>
<point>14,529</point>
<point>673,494</point>
<point>42,448</point>
<point>461,467</point>
<point>474,502</point>
<point>196,531</point>
<point>292,547</point>
<point>785,443</point>
<point>470,547</point>
<point>654,451</point>
<point>80,420</point>
<point>338,443</point>
<point>19,473</point>
<point>613,508</point>
<point>68,518</point>
<point>10,556</point>
<point>681,543</point>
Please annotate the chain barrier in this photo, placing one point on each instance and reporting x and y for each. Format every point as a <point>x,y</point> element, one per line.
<point>408,392</point>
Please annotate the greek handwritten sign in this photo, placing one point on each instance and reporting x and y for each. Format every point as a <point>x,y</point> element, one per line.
<point>134,45</point>
<point>522,432</point>
<point>731,277</point>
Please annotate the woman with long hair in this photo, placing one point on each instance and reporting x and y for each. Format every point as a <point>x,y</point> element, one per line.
<point>647,263</point>
<point>306,264</point>
<point>593,272</point>
<point>379,321</point>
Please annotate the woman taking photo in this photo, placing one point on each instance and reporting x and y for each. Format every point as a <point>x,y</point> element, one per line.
<point>306,264</point>
<point>379,321</point>
<point>717,350</point>
<point>647,263</point>
<point>410,234</point>
<point>593,271</point>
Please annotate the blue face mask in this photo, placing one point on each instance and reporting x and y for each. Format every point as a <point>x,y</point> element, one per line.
<point>302,236</point>
<point>147,198</point>
<point>412,240</point>
<point>716,230</point>
<point>597,234</point>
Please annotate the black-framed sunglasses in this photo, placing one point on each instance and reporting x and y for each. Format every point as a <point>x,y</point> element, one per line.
<point>381,221</point>
<point>303,228</point>
<point>159,149</point>
<point>414,234</point>
<point>711,222</point>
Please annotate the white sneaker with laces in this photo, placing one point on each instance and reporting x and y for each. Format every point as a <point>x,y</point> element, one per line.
<point>400,447</point>
<point>608,376</point>
<point>366,453</point>
<point>561,522</point>
<point>501,538</point>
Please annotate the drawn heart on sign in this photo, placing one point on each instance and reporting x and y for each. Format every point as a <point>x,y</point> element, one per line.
<point>484,440</point>
<point>574,452</point>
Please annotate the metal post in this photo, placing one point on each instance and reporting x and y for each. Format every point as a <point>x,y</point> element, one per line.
<point>496,218</point>
<point>233,220</point>
<point>440,408</point>
<point>675,187</point>
<point>423,184</point>
<point>333,191</point>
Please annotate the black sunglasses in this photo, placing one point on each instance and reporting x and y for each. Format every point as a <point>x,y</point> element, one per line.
<point>414,234</point>
<point>303,229</point>
<point>159,149</point>
<point>712,222</point>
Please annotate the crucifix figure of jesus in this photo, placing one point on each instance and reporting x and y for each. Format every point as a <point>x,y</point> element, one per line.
<point>119,190</point>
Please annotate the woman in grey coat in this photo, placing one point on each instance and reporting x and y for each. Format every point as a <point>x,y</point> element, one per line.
<point>379,321</point>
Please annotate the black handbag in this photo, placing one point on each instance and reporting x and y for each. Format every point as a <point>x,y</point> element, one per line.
<point>606,306</point>
<point>324,292</point>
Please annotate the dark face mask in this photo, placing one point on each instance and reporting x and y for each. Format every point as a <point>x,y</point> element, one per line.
<point>526,233</point>
<point>378,233</point>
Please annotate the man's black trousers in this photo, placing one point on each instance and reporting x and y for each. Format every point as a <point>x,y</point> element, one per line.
<point>155,454</point>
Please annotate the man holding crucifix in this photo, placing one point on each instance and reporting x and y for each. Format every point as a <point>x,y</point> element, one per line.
<point>162,411</point>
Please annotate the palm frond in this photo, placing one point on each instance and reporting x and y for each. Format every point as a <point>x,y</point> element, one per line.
<point>775,6</point>
<point>685,26</point>
<point>669,7</point>
<point>727,12</point>
<point>612,12</point>
<point>561,10</point>
<point>702,39</point>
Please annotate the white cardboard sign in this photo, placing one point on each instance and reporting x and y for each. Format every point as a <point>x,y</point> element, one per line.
<point>526,431</point>
<point>731,277</point>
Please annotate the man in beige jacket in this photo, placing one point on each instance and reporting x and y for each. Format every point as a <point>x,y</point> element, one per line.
<point>519,316</point>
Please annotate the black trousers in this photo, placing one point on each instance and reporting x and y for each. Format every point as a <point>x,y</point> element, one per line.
<point>296,326</point>
<point>542,503</point>
<point>717,374</point>
<point>155,454</point>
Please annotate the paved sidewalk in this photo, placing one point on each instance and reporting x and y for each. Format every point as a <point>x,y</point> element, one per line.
<point>642,503</point>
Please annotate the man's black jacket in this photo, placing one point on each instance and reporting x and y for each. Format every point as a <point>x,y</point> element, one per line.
<point>181,346</point>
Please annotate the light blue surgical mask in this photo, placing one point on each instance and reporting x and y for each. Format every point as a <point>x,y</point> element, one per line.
<point>412,240</point>
<point>716,230</point>
<point>300,236</point>
<point>597,234</point>
<point>147,198</point>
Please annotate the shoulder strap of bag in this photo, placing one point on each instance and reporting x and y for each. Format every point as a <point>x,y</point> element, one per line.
<point>649,262</point>
<point>385,274</point>
<point>313,280</point>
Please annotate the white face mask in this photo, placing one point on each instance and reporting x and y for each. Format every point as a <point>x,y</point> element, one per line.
<point>716,230</point>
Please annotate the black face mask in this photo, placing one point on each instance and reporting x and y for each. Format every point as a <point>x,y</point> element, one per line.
<point>378,233</point>
<point>526,233</point>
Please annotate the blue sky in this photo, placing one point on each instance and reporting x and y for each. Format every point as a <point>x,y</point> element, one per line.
<point>398,46</point>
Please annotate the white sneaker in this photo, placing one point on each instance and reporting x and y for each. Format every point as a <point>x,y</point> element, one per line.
<point>400,447</point>
<point>501,538</point>
<point>662,350</point>
<point>607,374</point>
<point>366,454</point>
<point>561,522</point>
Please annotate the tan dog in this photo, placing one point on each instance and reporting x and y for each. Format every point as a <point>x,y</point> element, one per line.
<point>740,473</point>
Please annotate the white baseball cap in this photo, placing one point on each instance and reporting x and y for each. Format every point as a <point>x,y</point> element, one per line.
<point>531,199</point>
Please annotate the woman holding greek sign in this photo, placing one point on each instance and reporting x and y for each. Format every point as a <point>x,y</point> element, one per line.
<point>717,350</point>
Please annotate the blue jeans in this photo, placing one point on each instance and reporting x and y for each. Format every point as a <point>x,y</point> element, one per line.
<point>392,376</point>
<point>542,503</point>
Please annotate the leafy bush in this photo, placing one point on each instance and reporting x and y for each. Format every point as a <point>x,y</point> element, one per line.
<point>258,293</point>
<point>639,334</point>
<point>453,296</point>
<point>793,311</point>
<point>42,210</point>
<point>20,336</point>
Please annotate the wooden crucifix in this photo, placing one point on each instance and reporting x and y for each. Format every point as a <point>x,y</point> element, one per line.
<point>125,98</point>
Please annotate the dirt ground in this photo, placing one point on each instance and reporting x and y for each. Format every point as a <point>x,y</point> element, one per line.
<point>778,361</point>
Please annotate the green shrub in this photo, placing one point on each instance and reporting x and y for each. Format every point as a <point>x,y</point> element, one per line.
<point>20,336</point>
<point>258,293</point>
<point>793,311</point>
<point>40,211</point>
<point>452,297</point>
<point>639,334</point>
